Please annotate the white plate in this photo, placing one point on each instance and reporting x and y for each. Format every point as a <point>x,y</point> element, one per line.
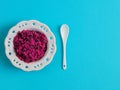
<point>30,25</point>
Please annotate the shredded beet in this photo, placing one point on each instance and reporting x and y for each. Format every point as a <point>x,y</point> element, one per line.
<point>30,45</point>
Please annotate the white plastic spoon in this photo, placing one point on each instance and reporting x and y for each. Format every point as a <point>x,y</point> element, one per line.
<point>64,30</point>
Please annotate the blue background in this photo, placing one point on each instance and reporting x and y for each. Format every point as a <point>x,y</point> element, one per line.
<point>93,48</point>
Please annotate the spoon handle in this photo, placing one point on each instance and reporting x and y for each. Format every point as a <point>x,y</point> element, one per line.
<point>64,57</point>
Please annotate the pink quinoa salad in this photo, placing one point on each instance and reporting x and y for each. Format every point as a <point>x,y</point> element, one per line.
<point>30,45</point>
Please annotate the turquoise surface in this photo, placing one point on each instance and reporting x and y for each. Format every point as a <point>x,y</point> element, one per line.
<point>93,48</point>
